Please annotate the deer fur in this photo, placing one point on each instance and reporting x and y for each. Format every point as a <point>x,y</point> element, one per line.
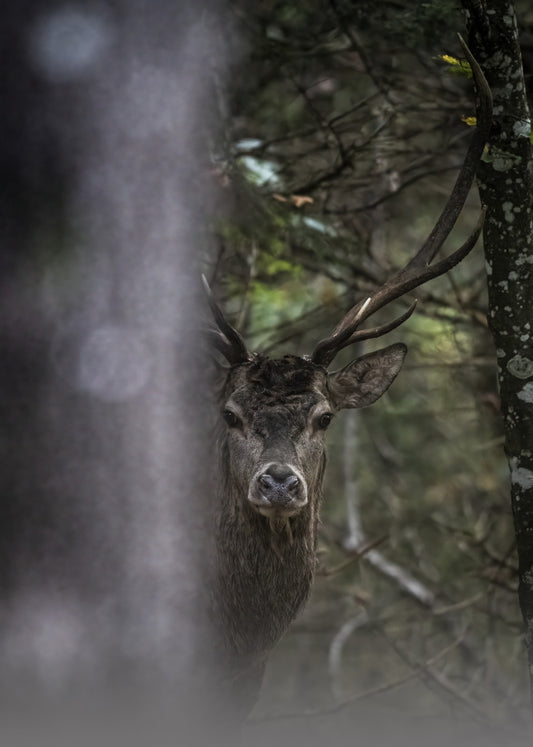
<point>265,563</point>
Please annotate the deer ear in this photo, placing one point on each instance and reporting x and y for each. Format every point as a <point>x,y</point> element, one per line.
<point>364,380</point>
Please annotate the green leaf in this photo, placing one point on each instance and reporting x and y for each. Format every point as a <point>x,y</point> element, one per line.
<point>280,265</point>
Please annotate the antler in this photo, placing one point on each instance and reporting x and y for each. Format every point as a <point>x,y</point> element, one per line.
<point>225,339</point>
<point>419,269</point>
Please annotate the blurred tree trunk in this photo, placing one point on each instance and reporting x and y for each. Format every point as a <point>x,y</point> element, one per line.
<point>104,420</point>
<point>506,187</point>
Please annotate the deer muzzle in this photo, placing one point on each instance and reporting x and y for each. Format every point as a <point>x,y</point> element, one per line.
<point>278,490</point>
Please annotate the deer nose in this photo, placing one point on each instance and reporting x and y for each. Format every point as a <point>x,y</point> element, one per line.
<point>279,484</point>
<point>278,490</point>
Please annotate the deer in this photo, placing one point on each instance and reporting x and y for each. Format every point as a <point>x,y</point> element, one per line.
<point>274,414</point>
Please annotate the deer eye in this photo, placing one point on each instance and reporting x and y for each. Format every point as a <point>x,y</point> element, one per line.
<point>324,420</point>
<point>232,420</point>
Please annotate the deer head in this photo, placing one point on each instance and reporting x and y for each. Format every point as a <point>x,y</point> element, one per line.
<point>276,412</point>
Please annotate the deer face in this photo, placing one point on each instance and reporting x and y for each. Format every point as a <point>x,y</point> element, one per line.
<point>276,413</point>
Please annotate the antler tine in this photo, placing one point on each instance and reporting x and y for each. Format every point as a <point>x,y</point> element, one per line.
<point>346,333</point>
<point>418,270</point>
<point>216,340</point>
<point>404,282</point>
<point>228,342</point>
<point>367,334</point>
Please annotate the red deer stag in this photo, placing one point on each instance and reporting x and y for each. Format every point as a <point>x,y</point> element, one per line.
<point>274,415</point>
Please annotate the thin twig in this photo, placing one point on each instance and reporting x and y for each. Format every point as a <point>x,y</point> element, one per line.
<point>355,557</point>
<point>378,690</point>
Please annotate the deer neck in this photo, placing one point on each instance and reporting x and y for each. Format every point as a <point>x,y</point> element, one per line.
<point>264,573</point>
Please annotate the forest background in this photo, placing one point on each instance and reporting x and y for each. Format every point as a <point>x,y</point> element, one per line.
<point>345,131</point>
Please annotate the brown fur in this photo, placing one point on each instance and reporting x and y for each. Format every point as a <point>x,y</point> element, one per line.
<point>264,566</point>
<point>265,563</point>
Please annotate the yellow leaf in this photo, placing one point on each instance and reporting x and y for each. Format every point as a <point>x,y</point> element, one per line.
<point>449,59</point>
<point>470,121</point>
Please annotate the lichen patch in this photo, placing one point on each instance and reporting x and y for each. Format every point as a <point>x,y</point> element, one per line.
<point>520,367</point>
<point>526,393</point>
<point>522,477</point>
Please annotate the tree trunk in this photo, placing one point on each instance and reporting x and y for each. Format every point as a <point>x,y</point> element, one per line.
<point>104,479</point>
<point>505,185</point>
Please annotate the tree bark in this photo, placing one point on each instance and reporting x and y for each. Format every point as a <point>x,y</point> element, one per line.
<point>505,183</point>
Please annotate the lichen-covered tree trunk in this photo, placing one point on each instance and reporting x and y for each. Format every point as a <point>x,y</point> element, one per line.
<point>505,180</point>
